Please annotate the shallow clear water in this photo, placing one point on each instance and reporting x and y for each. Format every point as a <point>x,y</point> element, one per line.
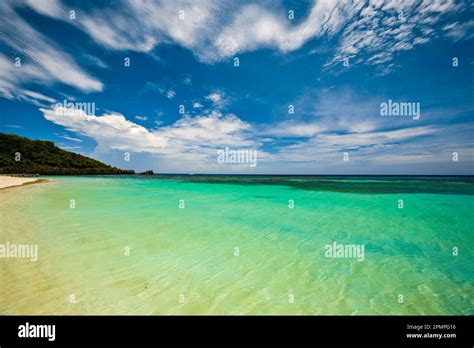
<point>237,248</point>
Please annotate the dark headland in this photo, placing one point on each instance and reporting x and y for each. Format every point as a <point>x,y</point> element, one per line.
<point>19,155</point>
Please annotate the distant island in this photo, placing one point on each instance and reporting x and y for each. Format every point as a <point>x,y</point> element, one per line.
<point>148,172</point>
<point>19,155</point>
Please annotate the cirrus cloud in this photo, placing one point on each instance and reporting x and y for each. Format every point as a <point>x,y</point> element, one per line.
<point>369,32</point>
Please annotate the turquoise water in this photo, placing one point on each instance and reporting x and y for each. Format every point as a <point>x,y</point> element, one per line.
<point>130,246</point>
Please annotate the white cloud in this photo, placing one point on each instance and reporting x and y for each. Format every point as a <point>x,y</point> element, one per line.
<point>34,98</point>
<point>458,31</point>
<point>215,30</point>
<point>368,32</point>
<point>94,61</point>
<point>51,8</point>
<point>39,96</point>
<point>77,140</point>
<point>200,136</point>
<point>376,34</point>
<point>170,94</point>
<point>219,99</point>
<point>11,79</point>
<point>140,25</point>
<point>41,60</point>
<point>15,126</point>
<point>69,148</point>
<point>254,26</point>
<point>109,130</point>
<point>292,129</point>
<point>165,88</point>
<point>328,148</point>
<point>141,118</point>
<point>197,105</point>
<point>214,97</point>
<point>213,130</point>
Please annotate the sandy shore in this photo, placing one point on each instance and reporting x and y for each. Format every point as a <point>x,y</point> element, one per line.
<point>11,181</point>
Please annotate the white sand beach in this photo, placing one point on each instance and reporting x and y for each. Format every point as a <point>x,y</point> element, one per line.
<point>11,181</point>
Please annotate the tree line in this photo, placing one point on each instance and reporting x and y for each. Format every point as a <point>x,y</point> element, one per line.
<point>19,155</point>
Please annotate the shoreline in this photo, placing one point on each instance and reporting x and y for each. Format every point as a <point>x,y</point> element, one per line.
<point>15,181</point>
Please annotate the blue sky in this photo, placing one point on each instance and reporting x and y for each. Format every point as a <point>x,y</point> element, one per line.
<point>333,62</point>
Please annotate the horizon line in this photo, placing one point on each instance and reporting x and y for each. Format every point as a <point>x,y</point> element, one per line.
<point>328,175</point>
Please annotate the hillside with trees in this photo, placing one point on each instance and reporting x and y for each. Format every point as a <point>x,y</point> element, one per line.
<point>19,155</point>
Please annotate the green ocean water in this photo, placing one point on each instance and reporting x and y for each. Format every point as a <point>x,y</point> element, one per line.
<point>236,247</point>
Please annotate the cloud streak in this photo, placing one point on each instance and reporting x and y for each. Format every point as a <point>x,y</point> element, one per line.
<point>38,59</point>
<point>369,32</point>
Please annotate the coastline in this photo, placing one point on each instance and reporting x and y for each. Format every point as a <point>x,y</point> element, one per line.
<point>13,181</point>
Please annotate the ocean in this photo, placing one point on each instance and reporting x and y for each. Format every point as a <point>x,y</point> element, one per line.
<point>240,245</point>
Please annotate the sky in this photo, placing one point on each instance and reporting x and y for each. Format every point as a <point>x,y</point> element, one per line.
<point>308,87</point>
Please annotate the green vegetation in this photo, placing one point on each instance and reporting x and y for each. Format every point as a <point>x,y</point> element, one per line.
<point>19,155</point>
